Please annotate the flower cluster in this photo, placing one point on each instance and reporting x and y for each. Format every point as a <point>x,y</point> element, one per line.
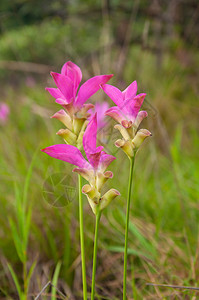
<point>81,128</point>
<point>127,113</point>
<point>82,123</point>
<point>75,113</point>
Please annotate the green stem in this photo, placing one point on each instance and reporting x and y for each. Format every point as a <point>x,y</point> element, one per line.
<point>97,220</point>
<point>127,225</point>
<point>81,225</point>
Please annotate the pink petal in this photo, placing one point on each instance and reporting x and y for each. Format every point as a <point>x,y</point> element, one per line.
<point>114,93</point>
<point>65,85</point>
<point>105,161</point>
<point>90,87</point>
<point>135,104</point>
<point>73,72</point>
<point>115,113</point>
<point>100,108</point>
<point>90,136</point>
<point>86,173</point>
<point>56,93</point>
<point>94,158</point>
<point>67,153</point>
<point>140,116</point>
<point>130,91</point>
<point>89,143</point>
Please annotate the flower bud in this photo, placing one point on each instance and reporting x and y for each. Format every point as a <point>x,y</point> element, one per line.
<point>141,115</point>
<point>77,124</point>
<point>141,135</point>
<point>102,178</point>
<point>93,196</point>
<point>63,117</point>
<point>107,198</point>
<point>68,136</point>
<point>123,131</point>
<point>126,146</point>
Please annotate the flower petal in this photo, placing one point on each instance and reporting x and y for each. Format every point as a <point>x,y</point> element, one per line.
<point>100,108</point>
<point>90,136</point>
<point>105,161</point>
<point>114,93</point>
<point>65,85</point>
<point>115,113</point>
<point>56,93</point>
<point>130,91</point>
<point>136,104</point>
<point>86,173</point>
<point>73,72</point>
<point>140,116</point>
<point>67,153</point>
<point>90,87</point>
<point>63,117</point>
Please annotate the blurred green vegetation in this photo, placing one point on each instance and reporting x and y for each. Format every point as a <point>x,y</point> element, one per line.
<point>133,41</point>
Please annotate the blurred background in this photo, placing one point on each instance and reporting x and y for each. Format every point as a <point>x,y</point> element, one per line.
<point>153,42</point>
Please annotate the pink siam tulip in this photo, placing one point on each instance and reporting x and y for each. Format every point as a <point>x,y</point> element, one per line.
<point>93,169</point>
<point>4,113</point>
<point>72,97</point>
<point>127,113</point>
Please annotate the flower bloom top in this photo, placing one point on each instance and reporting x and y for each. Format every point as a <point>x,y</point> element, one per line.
<point>93,169</point>
<point>75,112</point>
<point>127,113</point>
<point>4,112</point>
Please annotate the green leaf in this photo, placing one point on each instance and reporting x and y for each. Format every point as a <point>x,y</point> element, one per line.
<point>30,273</point>
<point>120,249</point>
<point>143,241</point>
<point>14,277</point>
<point>55,279</point>
<point>17,240</point>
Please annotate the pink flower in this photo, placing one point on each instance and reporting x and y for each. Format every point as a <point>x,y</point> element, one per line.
<point>93,169</point>
<point>4,112</point>
<point>128,114</point>
<point>100,108</point>
<point>128,103</point>
<point>67,93</point>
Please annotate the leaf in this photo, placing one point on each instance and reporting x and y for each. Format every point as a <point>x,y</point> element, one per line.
<point>143,241</point>
<point>30,273</point>
<point>17,241</point>
<point>120,249</point>
<point>55,279</point>
<point>14,277</point>
<point>27,227</point>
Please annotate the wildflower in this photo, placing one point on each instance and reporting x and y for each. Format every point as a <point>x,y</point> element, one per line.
<point>93,169</point>
<point>75,112</point>
<point>127,113</point>
<point>4,113</point>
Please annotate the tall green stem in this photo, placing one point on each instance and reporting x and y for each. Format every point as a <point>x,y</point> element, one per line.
<point>98,215</point>
<point>81,225</point>
<point>127,225</point>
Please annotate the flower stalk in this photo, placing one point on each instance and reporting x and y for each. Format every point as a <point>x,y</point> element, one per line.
<point>127,225</point>
<point>97,220</point>
<point>81,225</point>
